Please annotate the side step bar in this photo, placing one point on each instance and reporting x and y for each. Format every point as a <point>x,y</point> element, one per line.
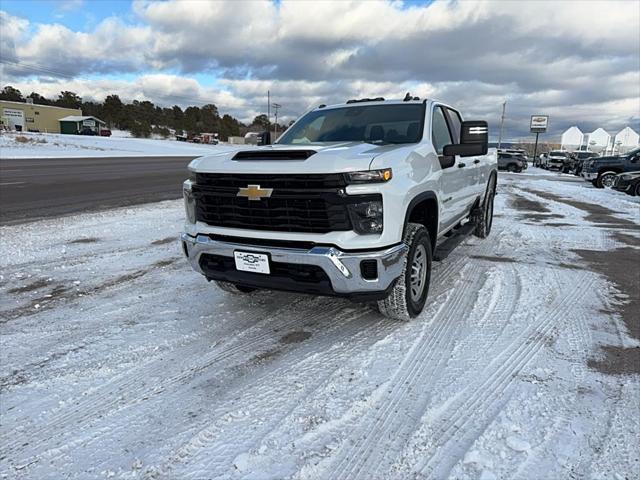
<point>445,248</point>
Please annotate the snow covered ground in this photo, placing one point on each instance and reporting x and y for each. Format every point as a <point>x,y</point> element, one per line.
<point>51,145</point>
<point>118,361</point>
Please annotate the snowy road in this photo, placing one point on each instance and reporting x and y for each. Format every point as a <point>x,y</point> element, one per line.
<point>118,361</point>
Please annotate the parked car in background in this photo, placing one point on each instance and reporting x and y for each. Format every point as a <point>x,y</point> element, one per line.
<point>105,132</point>
<point>541,161</point>
<point>88,131</point>
<point>510,162</point>
<point>559,160</point>
<point>601,171</point>
<point>628,183</point>
<point>520,153</point>
<point>579,159</point>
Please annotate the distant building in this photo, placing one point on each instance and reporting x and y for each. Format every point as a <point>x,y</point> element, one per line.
<point>29,117</point>
<point>625,140</point>
<point>74,124</point>
<point>572,139</point>
<point>598,140</point>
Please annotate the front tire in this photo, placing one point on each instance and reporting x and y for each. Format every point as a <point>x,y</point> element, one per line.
<point>233,288</point>
<point>408,296</point>
<point>605,179</point>
<point>636,190</point>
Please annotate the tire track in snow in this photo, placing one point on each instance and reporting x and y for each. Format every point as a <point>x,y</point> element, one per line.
<point>108,398</point>
<point>268,390</point>
<point>488,394</point>
<point>494,315</point>
<point>419,365</point>
<point>357,338</point>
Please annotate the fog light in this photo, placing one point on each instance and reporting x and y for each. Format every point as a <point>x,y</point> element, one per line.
<point>367,217</point>
<point>369,269</point>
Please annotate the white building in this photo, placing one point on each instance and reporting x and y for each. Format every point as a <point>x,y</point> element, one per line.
<point>625,140</point>
<point>598,140</point>
<point>572,139</point>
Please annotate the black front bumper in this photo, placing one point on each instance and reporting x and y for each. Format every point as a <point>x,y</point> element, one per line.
<point>287,277</point>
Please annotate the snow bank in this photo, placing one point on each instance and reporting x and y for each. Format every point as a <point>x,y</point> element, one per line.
<point>50,145</point>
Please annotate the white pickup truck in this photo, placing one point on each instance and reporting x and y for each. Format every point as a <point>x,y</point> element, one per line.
<point>353,200</point>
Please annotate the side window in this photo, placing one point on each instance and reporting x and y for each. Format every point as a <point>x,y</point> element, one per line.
<point>456,124</point>
<point>440,135</point>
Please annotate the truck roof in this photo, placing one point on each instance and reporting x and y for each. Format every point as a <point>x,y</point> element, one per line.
<point>373,101</point>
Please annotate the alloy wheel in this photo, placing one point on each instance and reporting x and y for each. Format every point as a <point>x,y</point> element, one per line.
<point>607,180</point>
<point>418,273</point>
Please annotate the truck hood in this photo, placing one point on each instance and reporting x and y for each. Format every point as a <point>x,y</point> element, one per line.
<point>329,158</point>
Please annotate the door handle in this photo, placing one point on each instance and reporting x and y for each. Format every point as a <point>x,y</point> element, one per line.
<point>476,161</point>
<point>461,165</point>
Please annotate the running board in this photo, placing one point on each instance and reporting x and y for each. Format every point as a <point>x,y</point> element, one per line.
<point>445,248</point>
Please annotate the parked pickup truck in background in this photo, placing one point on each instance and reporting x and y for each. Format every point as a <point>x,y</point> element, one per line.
<point>558,160</point>
<point>354,200</point>
<point>601,171</point>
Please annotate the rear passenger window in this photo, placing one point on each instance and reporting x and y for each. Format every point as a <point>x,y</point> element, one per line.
<point>456,124</point>
<point>440,135</point>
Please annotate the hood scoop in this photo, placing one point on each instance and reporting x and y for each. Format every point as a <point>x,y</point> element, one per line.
<point>274,155</point>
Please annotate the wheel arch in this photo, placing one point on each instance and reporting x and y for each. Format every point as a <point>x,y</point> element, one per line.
<point>609,169</point>
<point>424,209</point>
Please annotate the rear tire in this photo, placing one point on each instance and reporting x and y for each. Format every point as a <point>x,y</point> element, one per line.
<point>605,179</point>
<point>233,288</point>
<point>484,220</point>
<point>408,296</point>
<point>636,190</point>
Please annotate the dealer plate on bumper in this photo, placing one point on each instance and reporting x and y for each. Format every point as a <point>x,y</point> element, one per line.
<point>252,262</point>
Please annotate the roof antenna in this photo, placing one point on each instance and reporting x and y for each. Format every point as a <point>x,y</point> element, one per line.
<point>407,97</point>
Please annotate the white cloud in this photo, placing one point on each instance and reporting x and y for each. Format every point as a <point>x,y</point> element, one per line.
<point>68,5</point>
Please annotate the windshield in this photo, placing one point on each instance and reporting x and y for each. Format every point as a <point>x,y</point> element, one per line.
<point>394,123</point>
<point>558,154</point>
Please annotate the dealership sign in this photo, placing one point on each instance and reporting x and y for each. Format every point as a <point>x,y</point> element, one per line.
<point>88,123</point>
<point>539,123</point>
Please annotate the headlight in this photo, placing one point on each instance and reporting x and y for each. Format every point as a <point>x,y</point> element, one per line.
<point>366,217</point>
<point>369,176</point>
<point>189,201</point>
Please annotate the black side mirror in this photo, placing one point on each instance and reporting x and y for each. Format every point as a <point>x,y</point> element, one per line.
<point>265,138</point>
<point>474,140</point>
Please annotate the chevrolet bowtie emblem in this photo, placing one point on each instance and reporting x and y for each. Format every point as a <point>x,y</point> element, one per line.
<point>254,192</point>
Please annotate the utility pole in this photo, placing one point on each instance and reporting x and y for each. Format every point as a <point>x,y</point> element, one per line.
<point>276,106</point>
<point>504,106</point>
<point>269,106</point>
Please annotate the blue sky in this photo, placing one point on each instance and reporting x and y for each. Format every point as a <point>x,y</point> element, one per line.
<point>76,15</point>
<point>564,59</point>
